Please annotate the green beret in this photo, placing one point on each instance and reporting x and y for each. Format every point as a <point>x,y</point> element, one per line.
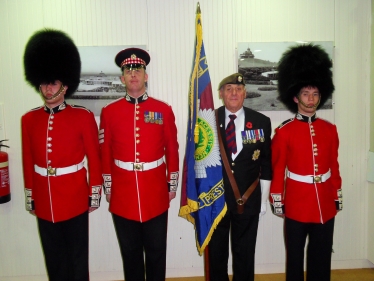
<point>235,78</point>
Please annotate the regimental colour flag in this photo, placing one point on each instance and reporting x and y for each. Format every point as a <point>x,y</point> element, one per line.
<point>202,199</point>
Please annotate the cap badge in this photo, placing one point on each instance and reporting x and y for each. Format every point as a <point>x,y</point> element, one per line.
<point>256,154</point>
<point>240,79</point>
<point>133,56</point>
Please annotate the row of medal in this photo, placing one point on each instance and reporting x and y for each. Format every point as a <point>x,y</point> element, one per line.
<point>153,117</point>
<point>252,136</point>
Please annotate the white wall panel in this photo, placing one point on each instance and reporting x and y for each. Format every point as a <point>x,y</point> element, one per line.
<point>351,116</point>
<point>167,28</point>
<point>370,168</point>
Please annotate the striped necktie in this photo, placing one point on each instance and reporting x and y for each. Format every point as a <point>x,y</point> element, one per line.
<point>230,134</point>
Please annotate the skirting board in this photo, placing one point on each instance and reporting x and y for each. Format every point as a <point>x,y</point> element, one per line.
<point>197,271</point>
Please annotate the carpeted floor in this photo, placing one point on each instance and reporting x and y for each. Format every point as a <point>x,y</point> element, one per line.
<point>365,274</point>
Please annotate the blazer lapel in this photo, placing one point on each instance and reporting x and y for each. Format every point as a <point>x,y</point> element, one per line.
<point>221,125</point>
<point>246,120</point>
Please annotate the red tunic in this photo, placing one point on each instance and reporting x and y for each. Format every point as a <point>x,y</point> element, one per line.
<point>306,148</point>
<point>60,137</point>
<point>128,134</point>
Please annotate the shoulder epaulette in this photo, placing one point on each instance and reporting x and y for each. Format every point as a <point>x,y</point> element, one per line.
<point>36,108</point>
<point>114,101</point>
<point>160,101</point>
<point>79,107</point>
<point>327,121</point>
<point>284,123</point>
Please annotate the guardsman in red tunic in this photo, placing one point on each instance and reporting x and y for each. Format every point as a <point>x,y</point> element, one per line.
<point>306,186</point>
<point>56,140</point>
<point>139,151</point>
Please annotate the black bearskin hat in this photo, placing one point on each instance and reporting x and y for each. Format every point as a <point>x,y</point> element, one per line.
<point>301,66</point>
<point>51,55</point>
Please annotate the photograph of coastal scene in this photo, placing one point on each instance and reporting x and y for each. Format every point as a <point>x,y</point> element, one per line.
<point>258,63</point>
<point>100,77</point>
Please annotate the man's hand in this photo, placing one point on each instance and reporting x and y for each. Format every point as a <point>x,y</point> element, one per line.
<point>32,212</point>
<point>108,196</point>
<point>265,189</point>
<point>263,209</point>
<point>171,195</point>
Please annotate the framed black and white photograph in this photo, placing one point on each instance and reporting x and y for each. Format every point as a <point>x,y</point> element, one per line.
<point>258,62</point>
<point>100,81</point>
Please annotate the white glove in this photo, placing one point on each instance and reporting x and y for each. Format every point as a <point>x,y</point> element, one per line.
<point>265,189</point>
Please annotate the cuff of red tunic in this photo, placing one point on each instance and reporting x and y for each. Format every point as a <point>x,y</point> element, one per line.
<point>277,205</point>
<point>107,183</point>
<point>29,201</point>
<point>94,199</point>
<point>173,183</point>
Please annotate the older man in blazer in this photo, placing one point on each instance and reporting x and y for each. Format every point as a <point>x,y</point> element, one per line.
<point>245,136</point>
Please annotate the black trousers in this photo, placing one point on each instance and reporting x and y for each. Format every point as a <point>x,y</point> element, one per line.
<point>243,246</point>
<point>134,237</point>
<point>65,247</point>
<point>318,254</point>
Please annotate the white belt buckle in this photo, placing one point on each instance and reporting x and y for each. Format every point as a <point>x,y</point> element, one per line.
<point>317,179</point>
<point>51,171</point>
<point>137,166</point>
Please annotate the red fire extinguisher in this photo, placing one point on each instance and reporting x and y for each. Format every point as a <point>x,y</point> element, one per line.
<point>4,175</point>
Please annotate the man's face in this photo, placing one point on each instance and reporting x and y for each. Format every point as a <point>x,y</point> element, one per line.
<point>134,79</point>
<point>307,100</point>
<point>49,91</point>
<point>233,96</point>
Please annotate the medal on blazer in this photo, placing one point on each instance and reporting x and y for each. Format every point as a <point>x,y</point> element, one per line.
<point>262,136</point>
<point>247,137</point>
<point>244,137</point>
<point>253,136</point>
<point>257,134</point>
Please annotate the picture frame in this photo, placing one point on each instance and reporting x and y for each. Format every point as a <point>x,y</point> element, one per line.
<point>258,62</point>
<point>100,81</point>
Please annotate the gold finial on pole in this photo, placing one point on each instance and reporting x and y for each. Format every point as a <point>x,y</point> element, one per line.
<point>198,11</point>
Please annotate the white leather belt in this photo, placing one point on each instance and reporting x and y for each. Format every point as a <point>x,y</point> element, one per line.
<point>50,171</point>
<point>310,178</point>
<point>143,166</point>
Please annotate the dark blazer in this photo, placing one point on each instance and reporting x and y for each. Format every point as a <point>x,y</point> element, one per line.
<point>246,170</point>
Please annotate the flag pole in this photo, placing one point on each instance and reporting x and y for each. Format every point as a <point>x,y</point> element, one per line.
<point>206,250</point>
<point>206,263</point>
<point>202,196</point>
